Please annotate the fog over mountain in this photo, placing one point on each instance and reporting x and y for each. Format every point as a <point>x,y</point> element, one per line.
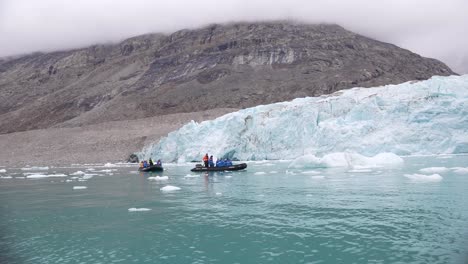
<point>428,27</point>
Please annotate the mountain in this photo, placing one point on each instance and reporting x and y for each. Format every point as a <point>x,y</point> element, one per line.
<point>425,118</point>
<point>220,66</point>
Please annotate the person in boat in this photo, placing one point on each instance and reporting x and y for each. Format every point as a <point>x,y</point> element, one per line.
<point>159,162</point>
<point>145,164</point>
<point>205,160</point>
<point>210,161</point>
<point>151,162</point>
<point>228,162</point>
<point>141,164</point>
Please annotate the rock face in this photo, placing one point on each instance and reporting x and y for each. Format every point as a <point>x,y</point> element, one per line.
<point>219,66</point>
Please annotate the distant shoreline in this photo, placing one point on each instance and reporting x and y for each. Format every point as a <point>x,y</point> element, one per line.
<point>99,143</point>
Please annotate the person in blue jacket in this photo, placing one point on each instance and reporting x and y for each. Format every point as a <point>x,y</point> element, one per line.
<point>210,161</point>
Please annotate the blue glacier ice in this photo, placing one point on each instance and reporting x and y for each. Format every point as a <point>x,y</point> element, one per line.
<point>413,118</point>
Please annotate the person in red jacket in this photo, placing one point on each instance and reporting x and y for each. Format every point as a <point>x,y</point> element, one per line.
<point>205,160</point>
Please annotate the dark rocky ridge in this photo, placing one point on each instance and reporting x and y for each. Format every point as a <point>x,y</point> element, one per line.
<point>219,66</point>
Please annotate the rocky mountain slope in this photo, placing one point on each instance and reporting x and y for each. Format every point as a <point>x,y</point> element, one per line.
<point>219,66</point>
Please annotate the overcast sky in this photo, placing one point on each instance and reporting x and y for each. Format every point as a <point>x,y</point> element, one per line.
<point>432,28</point>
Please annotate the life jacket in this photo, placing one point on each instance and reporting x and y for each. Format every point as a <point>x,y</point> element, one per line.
<point>205,158</point>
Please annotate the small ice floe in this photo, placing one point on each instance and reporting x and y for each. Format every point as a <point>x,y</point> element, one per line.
<point>6,177</point>
<point>317,177</point>
<point>78,173</point>
<point>40,176</point>
<point>34,168</point>
<point>311,172</point>
<point>424,178</point>
<point>273,172</point>
<point>169,188</point>
<point>360,170</point>
<point>158,178</point>
<point>2,170</point>
<point>108,164</point>
<point>108,170</point>
<point>88,176</point>
<point>228,176</point>
<point>191,176</point>
<point>309,195</point>
<point>460,170</point>
<point>260,173</point>
<point>68,180</point>
<point>434,170</point>
<point>81,180</point>
<point>218,193</point>
<point>90,169</point>
<point>133,209</point>
<point>79,187</point>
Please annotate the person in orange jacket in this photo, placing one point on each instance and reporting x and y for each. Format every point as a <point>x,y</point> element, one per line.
<point>205,160</point>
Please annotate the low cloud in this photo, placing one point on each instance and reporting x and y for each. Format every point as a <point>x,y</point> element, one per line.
<point>431,28</point>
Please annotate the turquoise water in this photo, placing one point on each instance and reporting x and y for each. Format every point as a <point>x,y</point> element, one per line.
<point>266,214</point>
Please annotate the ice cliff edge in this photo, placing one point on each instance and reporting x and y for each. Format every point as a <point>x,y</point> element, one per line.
<point>427,117</point>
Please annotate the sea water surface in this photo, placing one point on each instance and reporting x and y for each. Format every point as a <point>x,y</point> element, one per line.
<point>266,214</point>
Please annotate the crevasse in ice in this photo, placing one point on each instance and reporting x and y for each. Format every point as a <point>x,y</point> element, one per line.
<point>427,117</point>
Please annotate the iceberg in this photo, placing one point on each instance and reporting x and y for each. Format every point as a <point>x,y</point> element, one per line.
<point>414,118</point>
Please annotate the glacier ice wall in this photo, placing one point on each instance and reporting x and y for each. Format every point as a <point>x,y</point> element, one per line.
<point>428,117</point>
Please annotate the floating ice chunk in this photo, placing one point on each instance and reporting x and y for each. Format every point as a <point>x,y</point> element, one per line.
<point>158,178</point>
<point>88,176</point>
<point>68,180</point>
<point>2,170</point>
<point>133,209</point>
<point>90,169</point>
<point>36,176</point>
<point>434,170</point>
<point>346,159</point>
<point>228,176</point>
<point>78,173</point>
<point>6,177</point>
<point>260,173</point>
<point>35,168</point>
<point>311,172</point>
<point>57,175</point>
<point>169,188</point>
<point>273,172</point>
<point>460,170</point>
<point>360,170</point>
<point>218,193</point>
<point>191,176</point>
<point>79,187</point>
<point>109,165</point>
<point>317,177</point>
<point>108,171</point>
<point>424,178</point>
